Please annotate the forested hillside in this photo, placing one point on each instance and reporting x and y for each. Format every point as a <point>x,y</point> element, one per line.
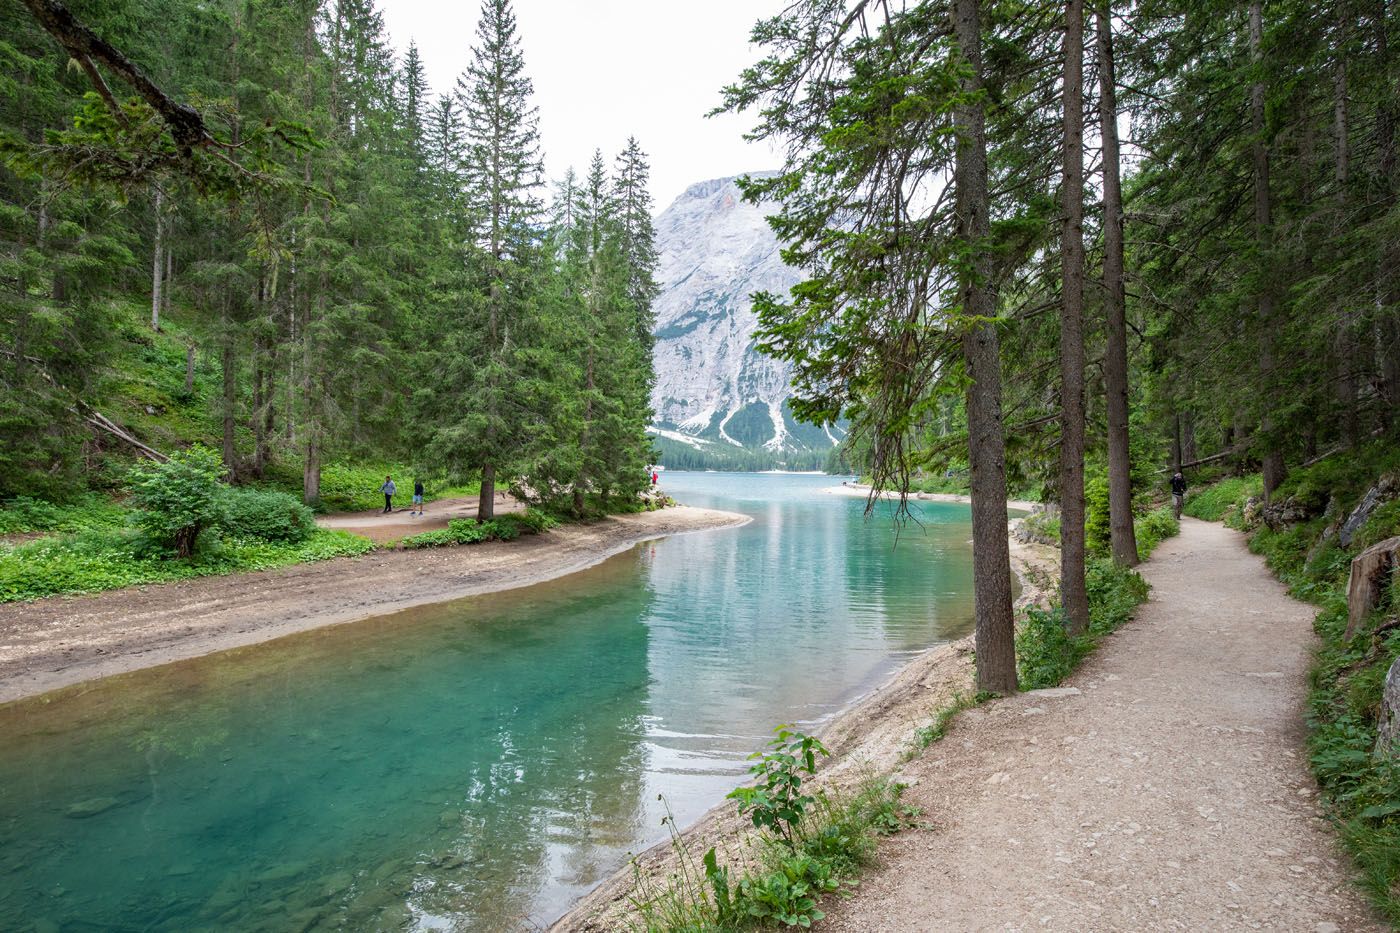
<point>250,225</point>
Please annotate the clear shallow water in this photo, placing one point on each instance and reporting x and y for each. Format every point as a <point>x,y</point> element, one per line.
<point>476,764</point>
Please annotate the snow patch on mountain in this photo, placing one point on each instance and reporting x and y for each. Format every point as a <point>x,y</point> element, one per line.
<point>715,250</point>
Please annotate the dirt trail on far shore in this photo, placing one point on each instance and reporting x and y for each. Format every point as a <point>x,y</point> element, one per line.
<point>1167,789</point>
<point>382,527</point>
<point>59,641</point>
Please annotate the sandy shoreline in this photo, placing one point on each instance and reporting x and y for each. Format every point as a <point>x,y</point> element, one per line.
<point>863,492</point>
<point>64,640</point>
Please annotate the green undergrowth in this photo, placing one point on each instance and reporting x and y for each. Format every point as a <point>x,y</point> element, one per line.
<point>354,487</point>
<point>1046,653</point>
<point>807,845</point>
<point>1224,501</point>
<point>89,512</point>
<point>506,527</point>
<point>105,559</point>
<point>1361,790</point>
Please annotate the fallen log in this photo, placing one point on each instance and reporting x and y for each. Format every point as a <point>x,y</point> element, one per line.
<point>1370,571</point>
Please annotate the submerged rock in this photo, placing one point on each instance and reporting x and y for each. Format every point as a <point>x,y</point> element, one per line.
<point>90,807</point>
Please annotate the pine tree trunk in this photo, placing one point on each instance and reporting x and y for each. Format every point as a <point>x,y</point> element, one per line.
<point>991,561</point>
<point>1189,453</point>
<point>169,279</point>
<point>1347,350</point>
<point>228,398</point>
<point>1073,595</point>
<point>1115,365</point>
<point>311,469</point>
<point>486,501</point>
<point>157,262</point>
<point>1274,469</point>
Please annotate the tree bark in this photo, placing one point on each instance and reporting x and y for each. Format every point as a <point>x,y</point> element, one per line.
<point>1073,595</point>
<point>486,501</point>
<point>1115,364</point>
<point>1274,469</point>
<point>991,560</point>
<point>157,261</point>
<point>1188,437</point>
<point>228,398</point>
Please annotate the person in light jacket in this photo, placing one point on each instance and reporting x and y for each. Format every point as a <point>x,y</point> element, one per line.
<point>388,489</point>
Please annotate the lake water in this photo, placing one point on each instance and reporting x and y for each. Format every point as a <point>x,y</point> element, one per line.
<point>477,764</point>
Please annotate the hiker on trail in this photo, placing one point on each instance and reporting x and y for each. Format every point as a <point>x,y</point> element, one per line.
<point>1178,493</point>
<point>388,489</point>
<point>417,497</point>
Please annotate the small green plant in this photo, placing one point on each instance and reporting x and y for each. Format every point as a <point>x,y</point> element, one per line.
<point>265,514</point>
<point>179,498</point>
<point>776,801</point>
<point>788,895</point>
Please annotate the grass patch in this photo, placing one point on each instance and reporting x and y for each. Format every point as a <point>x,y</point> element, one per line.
<point>470,531</point>
<point>1224,500</point>
<point>107,559</point>
<point>90,512</point>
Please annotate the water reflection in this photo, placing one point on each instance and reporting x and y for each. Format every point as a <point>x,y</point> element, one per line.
<point>473,765</point>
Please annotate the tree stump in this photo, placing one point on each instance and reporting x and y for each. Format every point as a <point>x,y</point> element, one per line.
<point>1369,573</point>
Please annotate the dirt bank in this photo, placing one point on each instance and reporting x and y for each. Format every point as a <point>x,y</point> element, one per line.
<point>59,641</point>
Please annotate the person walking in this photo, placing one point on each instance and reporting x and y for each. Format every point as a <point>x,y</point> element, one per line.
<point>1178,493</point>
<point>388,489</point>
<point>417,497</point>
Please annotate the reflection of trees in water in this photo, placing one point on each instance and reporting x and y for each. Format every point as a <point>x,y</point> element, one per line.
<point>763,620</point>
<point>551,797</point>
<point>918,588</point>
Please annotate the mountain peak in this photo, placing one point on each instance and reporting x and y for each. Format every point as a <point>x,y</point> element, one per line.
<point>714,389</point>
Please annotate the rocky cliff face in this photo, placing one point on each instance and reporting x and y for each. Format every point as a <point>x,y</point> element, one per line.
<point>714,389</point>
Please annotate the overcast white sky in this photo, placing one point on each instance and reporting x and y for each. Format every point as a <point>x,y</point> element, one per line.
<point>607,69</point>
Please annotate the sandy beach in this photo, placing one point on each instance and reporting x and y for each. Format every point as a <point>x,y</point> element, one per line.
<point>65,640</point>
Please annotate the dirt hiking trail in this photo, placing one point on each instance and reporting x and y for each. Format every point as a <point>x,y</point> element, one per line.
<point>382,527</point>
<point>1163,787</point>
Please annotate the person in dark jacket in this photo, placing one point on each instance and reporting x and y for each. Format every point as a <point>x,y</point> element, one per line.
<point>1178,493</point>
<point>417,497</point>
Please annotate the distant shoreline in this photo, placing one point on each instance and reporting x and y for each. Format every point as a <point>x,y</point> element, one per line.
<point>862,491</point>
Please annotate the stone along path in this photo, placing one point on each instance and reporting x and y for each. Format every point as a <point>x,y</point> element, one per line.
<point>1166,788</point>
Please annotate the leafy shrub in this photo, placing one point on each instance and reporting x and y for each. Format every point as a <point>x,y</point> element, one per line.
<point>535,521</point>
<point>505,528</point>
<point>776,801</point>
<point>179,498</point>
<point>1154,528</point>
<point>1225,498</point>
<point>265,514</point>
<point>1046,653</point>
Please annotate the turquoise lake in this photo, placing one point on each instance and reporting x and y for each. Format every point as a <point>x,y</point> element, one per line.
<point>472,765</point>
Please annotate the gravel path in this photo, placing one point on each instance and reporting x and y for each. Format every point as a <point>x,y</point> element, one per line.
<point>1166,789</point>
